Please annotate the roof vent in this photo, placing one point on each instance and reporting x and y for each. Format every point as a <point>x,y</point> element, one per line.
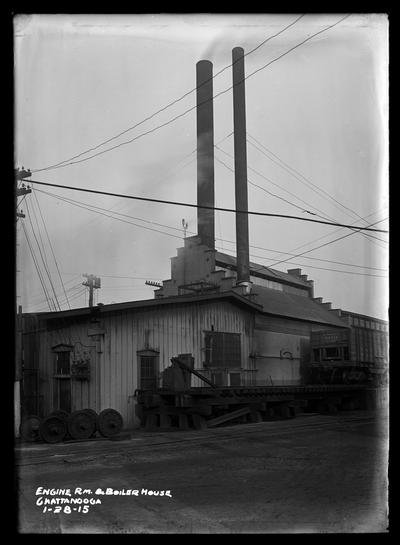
<point>294,272</point>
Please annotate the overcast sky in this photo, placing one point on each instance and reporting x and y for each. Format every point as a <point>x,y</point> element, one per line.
<point>322,109</point>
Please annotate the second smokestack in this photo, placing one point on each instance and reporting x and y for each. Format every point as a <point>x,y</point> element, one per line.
<point>241,200</point>
<point>205,153</point>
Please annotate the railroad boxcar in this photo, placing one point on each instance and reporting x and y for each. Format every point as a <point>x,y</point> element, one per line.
<point>358,355</point>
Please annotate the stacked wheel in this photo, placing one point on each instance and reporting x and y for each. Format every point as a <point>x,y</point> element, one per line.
<point>60,414</point>
<point>92,414</point>
<point>53,429</point>
<point>81,425</point>
<point>109,423</point>
<point>30,428</point>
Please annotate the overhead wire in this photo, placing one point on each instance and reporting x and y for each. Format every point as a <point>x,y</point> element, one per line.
<point>34,259</point>
<point>322,245</point>
<point>182,114</point>
<point>172,103</point>
<point>296,174</point>
<point>326,235</point>
<point>192,205</point>
<point>274,183</point>
<point>51,246</point>
<point>73,202</point>
<point>96,209</point>
<point>72,290</point>
<point>43,256</point>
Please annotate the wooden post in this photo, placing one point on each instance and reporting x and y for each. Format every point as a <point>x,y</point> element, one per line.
<point>18,374</point>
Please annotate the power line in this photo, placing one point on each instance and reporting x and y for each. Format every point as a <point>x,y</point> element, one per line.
<point>71,291</point>
<point>193,107</point>
<point>309,257</point>
<point>172,103</point>
<point>67,282</point>
<point>92,208</point>
<point>272,182</point>
<point>72,298</point>
<point>263,257</point>
<point>304,180</point>
<point>84,205</point>
<point>44,259</point>
<point>321,268</point>
<point>34,259</point>
<point>322,245</point>
<point>51,247</point>
<point>192,205</point>
<point>327,235</point>
<point>127,277</point>
<point>295,172</point>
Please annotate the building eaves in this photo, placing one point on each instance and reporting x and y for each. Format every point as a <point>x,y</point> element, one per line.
<point>263,271</point>
<point>151,303</point>
<point>288,305</point>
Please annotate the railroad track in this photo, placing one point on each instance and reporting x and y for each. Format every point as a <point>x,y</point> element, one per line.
<point>302,424</point>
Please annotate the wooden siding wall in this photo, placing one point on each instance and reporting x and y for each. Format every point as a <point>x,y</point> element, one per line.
<point>169,330</point>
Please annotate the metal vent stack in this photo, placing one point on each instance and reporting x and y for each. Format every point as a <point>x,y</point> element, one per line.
<point>241,199</point>
<point>205,153</point>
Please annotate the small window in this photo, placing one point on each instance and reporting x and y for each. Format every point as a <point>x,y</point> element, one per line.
<point>63,363</point>
<point>332,352</point>
<point>148,369</point>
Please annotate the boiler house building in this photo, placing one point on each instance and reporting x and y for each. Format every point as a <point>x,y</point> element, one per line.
<point>242,323</point>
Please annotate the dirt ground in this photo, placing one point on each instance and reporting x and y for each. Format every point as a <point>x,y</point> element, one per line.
<point>311,474</point>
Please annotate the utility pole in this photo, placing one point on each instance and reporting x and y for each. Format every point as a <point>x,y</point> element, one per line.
<point>18,376</point>
<point>93,283</point>
<point>20,174</point>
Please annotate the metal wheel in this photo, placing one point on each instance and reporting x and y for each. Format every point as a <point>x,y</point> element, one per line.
<point>92,413</point>
<point>60,414</point>
<point>81,425</point>
<point>53,429</point>
<point>29,428</point>
<point>109,423</point>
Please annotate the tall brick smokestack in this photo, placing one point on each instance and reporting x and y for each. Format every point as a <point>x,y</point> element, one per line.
<point>241,200</point>
<point>205,153</point>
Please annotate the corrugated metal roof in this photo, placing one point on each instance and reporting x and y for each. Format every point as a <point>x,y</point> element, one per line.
<point>176,299</point>
<point>270,301</point>
<point>288,305</point>
<point>271,274</point>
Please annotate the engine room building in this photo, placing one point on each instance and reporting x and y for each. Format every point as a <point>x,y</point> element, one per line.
<point>97,357</point>
<point>237,322</point>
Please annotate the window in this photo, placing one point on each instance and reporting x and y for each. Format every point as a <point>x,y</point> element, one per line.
<point>63,363</point>
<point>62,377</point>
<point>222,349</point>
<point>147,373</point>
<point>346,353</point>
<point>331,352</point>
